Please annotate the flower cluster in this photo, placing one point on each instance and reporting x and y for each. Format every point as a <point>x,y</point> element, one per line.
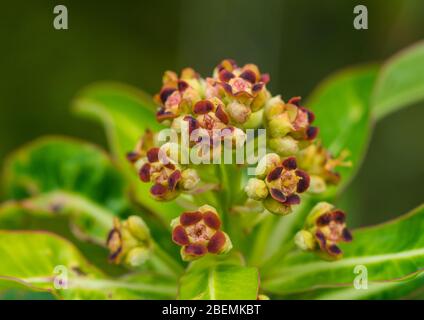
<point>129,242</point>
<point>277,184</point>
<point>199,232</point>
<point>242,89</point>
<point>216,110</point>
<point>167,176</point>
<point>288,125</point>
<point>325,227</point>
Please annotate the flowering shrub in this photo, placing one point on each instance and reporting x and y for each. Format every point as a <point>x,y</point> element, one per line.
<point>180,201</point>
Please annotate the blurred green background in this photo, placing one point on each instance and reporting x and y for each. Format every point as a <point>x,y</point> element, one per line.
<point>298,42</point>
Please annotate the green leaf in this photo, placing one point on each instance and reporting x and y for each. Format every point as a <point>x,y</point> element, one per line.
<point>390,251</point>
<point>400,82</point>
<point>377,291</point>
<point>342,108</point>
<point>15,290</point>
<point>220,278</point>
<point>59,176</point>
<point>125,113</point>
<point>37,259</point>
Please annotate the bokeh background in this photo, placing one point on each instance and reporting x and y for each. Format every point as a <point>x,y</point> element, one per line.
<point>298,42</point>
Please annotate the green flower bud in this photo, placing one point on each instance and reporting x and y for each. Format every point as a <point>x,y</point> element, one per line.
<point>325,228</point>
<point>238,112</point>
<point>305,240</point>
<point>189,179</point>
<point>129,242</point>
<point>285,146</point>
<point>256,189</point>
<point>137,257</point>
<point>279,125</point>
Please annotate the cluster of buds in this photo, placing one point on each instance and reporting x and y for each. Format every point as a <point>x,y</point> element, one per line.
<point>209,121</point>
<point>325,227</point>
<point>277,183</point>
<point>242,89</point>
<point>288,125</point>
<point>168,177</point>
<point>320,164</point>
<point>129,242</point>
<point>199,232</point>
<point>178,94</point>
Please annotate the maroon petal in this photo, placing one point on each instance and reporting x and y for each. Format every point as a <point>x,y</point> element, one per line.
<point>153,155</point>
<point>112,233</point>
<point>212,220</point>
<point>248,75</point>
<point>225,75</point>
<point>158,190</point>
<point>115,254</point>
<point>221,115</point>
<point>162,115</point>
<point>193,124</point>
<point>195,249</point>
<point>173,179</point>
<point>323,220</point>
<point>321,238</point>
<point>295,101</point>
<point>189,218</point>
<point>290,163</point>
<point>144,172</point>
<point>203,106</point>
<point>311,115</point>
<point>165,93</point>
<point>265,78</point>
<point>170,166</point>
<point>347,236</point>
<point>179,236</point>
<point>217,242</point>
<point>274,174</point>
<point>292,200</point>
<point>132,156</point>
<point>226,87</point>
<point>338,216</point>
<point>311,133</point>
<point>334,250</point>
<point>278,195</point>
<point>182,85</point>
<point>304,181</point>
<point>257,87</point>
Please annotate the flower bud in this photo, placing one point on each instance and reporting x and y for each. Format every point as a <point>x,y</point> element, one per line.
<point>178,94</point>
<point>167,176</point>
<point>324,229</point>
<point>238,112</point>
<point>305,240</point>
<point>291,122</point>
<point>284,146</point>
<point>199,233</point>
<point>129,242</point>
<point>256,189</point>
<point>189,179</point>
